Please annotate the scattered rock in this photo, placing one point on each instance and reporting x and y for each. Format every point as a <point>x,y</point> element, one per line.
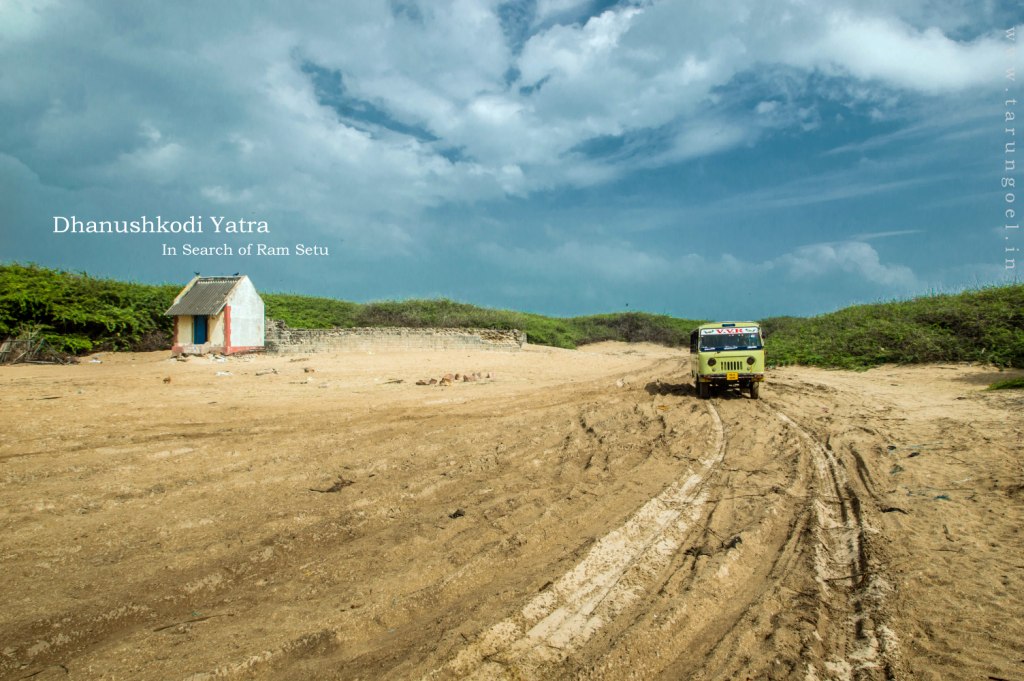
<point>266,372</point>
<point>167,379</point>
<point>457,514</point>
<point>308,370</point>
<point>223,373</point>
<point>449,379</point>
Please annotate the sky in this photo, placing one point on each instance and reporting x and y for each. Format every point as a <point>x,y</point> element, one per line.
<point>736,158</point>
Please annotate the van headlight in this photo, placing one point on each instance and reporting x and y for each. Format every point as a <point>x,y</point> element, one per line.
<point>711,362</point>
<point>750,360</point>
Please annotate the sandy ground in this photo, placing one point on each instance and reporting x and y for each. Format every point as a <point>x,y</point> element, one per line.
<point>579,515</point>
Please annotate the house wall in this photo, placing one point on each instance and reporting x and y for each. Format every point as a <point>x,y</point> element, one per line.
<point>244,312</point>
<point>215,330</point>
<point>184,327</point>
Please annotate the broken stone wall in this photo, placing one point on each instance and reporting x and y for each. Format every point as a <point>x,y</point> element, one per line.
<point>282,339</point>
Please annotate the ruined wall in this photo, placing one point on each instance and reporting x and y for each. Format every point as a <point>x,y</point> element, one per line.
<point>282,339</point>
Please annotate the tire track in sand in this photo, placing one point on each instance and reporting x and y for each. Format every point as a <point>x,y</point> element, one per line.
<point>614,573</point>
<point>843,572</point>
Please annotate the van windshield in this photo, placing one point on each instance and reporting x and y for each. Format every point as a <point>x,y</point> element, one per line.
<point>732,341</point>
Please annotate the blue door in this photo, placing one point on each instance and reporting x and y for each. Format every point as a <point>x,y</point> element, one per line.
<point>198,330</point>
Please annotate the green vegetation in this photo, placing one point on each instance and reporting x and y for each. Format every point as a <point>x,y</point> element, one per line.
<point>1008,384</point>
<point>978,326</point>
<point>79,313</point>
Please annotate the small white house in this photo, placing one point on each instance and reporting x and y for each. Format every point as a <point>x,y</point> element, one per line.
<point>217,314</point>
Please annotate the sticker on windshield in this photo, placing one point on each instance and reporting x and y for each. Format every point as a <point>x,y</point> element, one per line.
<point>729,330</point>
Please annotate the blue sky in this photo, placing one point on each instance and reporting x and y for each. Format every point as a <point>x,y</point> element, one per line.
<point>736,158</point>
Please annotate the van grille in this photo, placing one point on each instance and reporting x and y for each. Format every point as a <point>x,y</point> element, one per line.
<point>731,365</point>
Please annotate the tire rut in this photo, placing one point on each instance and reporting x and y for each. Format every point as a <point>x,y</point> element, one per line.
<point>844,572</point>
<point>615,573</point>
<point>723,574</point>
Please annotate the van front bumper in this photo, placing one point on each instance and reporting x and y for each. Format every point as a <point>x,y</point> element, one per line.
<point>724,378</point>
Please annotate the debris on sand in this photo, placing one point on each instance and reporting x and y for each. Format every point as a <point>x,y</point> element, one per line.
<point>266,372</point>
<point>309,370</point>
<point>451,379</point>
<point>339,485</point>
<point>457,514</point>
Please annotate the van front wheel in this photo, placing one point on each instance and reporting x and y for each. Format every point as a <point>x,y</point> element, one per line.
<point>703,390</point>
<point>755,389</point>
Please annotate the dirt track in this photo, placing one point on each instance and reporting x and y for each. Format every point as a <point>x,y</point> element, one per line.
<point>579,515</point>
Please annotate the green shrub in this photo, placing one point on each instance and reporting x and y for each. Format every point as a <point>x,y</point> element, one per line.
<point>1008,384</point>
<point>78,313</point>
<point>986,325</point>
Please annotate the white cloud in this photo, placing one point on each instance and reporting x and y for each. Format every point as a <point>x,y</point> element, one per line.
<point>223,195</point>
<point>883,48</point>
<point>230,116</point>
<point>852,257</point>
<point>867,236</point>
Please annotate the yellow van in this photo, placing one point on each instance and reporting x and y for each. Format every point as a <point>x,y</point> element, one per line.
<point>726,354</point>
